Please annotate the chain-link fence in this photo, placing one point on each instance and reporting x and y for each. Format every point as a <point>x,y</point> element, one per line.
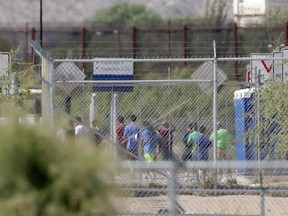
<point>204,119</point>
<point>263,193</point>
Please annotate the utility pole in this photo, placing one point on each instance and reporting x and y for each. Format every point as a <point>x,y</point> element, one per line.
<point>41,25</point>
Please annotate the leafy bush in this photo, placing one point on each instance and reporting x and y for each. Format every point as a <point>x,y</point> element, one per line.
<point>42,176</point>
<point>124,14</point>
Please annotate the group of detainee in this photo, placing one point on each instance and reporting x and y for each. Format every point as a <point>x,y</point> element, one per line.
<point>150,142</point>
<point>156,142</point>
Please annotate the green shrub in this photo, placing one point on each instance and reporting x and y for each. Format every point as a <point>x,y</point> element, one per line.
<point>41,175</point>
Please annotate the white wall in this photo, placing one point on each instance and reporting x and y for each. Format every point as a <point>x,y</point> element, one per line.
<point>251,11</point>
<point>248,11</point>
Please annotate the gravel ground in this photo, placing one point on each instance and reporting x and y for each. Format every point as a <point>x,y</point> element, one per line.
<point>149,202</point>
<point>209,205</point>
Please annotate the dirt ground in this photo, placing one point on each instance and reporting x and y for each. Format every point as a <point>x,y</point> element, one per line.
<point>209,205</point>
<point>236,203</point>
<point>239,203</point>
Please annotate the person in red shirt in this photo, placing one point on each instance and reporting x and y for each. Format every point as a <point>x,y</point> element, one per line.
<point>120,138</point>
<point>166,143</point>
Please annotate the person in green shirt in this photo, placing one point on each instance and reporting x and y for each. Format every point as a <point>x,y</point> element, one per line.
<point>224,140</point>
<point>192,138</point>
<point>191,141</point>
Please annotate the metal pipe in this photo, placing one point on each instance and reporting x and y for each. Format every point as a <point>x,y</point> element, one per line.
<point>235,33</point>
<point>83,46</point>
<point>184,42</point>
<point>134,45</point>
<point>170,59</point>
<point>286,33</point>
<point>215,115</point>
<point>41,24</point>
<point>133,81</point>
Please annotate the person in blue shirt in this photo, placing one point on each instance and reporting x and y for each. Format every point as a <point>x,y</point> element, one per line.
<point>131,131</point>
<point>149,138</point>
<point>203,144</point>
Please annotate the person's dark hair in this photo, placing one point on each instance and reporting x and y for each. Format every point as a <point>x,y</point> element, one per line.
<point>133,118</point>
<point>78,118</point>
<point>219,125</point>
<point>202,129</point>
<point>120,119</point>
<point>148,126</point>
<point>166,125</point>
<point>192,126</point>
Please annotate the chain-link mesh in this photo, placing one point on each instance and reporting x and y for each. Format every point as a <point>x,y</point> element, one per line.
<point>164,110</point>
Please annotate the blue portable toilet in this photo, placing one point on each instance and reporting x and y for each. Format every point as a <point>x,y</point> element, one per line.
<point>244,123</point>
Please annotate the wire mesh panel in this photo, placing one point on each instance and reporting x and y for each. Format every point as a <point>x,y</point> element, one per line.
<point>158,121</point>
<point>171,108</point>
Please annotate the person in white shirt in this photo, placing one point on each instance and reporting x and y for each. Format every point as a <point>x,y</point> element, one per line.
<point>81,132</point>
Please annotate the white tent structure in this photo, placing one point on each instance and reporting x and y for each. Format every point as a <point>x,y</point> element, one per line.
<point>252,12</point>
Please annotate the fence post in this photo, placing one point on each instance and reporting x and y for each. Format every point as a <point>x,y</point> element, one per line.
<point>262,194</point>
<point>184,42</point>
<point>172,189</point>
<point>262,202</point>
<point>83,46</point>
<point>235,33</point>
<point>26,42</point>
<point>215,114</point>
<point>114,113</point>
<point>286,33</point>
<point>169,37</point>
<point>134,45</point>
<point>47,82</point>
<point>33,37</point>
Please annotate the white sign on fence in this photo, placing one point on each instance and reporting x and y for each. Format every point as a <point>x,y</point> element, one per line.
<point>285,65</point>
<point>113,70</point>
<point>277,66</point>
<point>262,67</point>
<point>112,67</point>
